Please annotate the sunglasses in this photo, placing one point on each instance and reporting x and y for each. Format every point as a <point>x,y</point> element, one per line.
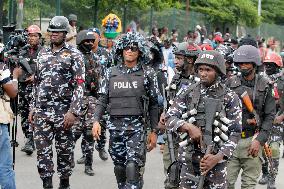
<point>132,48</point>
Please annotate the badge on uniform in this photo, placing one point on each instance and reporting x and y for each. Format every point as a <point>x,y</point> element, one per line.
<point>65,55</point>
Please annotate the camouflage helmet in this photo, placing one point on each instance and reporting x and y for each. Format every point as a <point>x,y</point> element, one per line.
<point>72,17</point>
<point>131,38</point>
<point>181,49</point>
<point>227,52</point>
<point>211,58</point>
<point>58,24</point>
<point>247,54</point>
<point>84,35</point>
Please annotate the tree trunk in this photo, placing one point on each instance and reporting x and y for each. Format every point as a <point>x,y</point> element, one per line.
<point>1,13</point>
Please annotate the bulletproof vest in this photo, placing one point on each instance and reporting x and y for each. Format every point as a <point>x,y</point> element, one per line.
<point>257,94</point>
<point>31,59</point>
<point>124,92</point>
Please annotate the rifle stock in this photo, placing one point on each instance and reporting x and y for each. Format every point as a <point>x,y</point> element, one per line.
<point>249,106</point>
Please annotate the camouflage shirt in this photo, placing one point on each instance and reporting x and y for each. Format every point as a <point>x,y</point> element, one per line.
<point>232,108</point>
<point>60,80</point>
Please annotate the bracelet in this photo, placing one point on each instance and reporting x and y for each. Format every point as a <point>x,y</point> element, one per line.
<point>16,80</point>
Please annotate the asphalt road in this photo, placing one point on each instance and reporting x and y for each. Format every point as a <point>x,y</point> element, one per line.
<point>28,178</point>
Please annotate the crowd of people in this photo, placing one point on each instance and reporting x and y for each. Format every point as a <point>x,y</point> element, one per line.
<point>213,103</point>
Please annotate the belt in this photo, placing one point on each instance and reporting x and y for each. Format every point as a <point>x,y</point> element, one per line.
<point>247,133</point>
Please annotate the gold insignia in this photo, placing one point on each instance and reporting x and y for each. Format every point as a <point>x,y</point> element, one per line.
<point>65,54</point>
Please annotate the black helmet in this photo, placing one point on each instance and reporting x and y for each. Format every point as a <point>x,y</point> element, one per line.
<point>247,53</point>
<point>84,35</point>
<point>58,24</point>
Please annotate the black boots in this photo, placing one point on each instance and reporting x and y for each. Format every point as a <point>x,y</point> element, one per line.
<point>102,153</point>
<point>64,183</point>
<point>264,179</point>
<point>81,160</point>
<point>47,183</point>
<point>89,170</point>
<point>29,145</point>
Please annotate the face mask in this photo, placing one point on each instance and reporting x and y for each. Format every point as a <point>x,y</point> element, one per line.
<point>245,72</point>
<point>270,69</point>
<point>86,48</point>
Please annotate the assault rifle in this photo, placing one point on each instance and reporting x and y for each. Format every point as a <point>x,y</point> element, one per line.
<point>173,171</point>
<point>211,106</point>
<point>256,122</point>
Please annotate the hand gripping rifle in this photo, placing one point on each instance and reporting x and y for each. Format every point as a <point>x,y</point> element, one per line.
<point>211,106</point>
<point>173,171</point>
<point>249,106</point>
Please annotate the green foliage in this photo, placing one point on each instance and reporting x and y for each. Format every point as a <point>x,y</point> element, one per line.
<point>229,11</point>
<point>272,11</point>
<point>85,9</point>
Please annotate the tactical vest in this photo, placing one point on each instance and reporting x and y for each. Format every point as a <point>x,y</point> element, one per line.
<point>124,91</point>
<point>31,59</point>
<point>92,76</point>
<point>179,82</point>
<point>195,100</point>
<point>257,95</point>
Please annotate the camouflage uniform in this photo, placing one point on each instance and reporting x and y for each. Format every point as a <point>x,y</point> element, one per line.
<point>275,138</point>
<point>59,87</point>
<point>190,158</point>
<point>127,132</point>
<point>179,84</point>
<point>25,89</point>
<point>181,81</point>
<point>84,123</point>
<point>101,60</point>
<point>273,64</point>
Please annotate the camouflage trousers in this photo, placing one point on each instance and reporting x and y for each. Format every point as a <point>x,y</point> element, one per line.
<point>48,125</point>
<point>215,178</point>
<point>25,99</point>
<point>83,127</point>
<point>128,146</point>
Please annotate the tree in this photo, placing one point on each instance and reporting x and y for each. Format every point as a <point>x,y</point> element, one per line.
<point>229,11</point>
<point>272,11</point>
